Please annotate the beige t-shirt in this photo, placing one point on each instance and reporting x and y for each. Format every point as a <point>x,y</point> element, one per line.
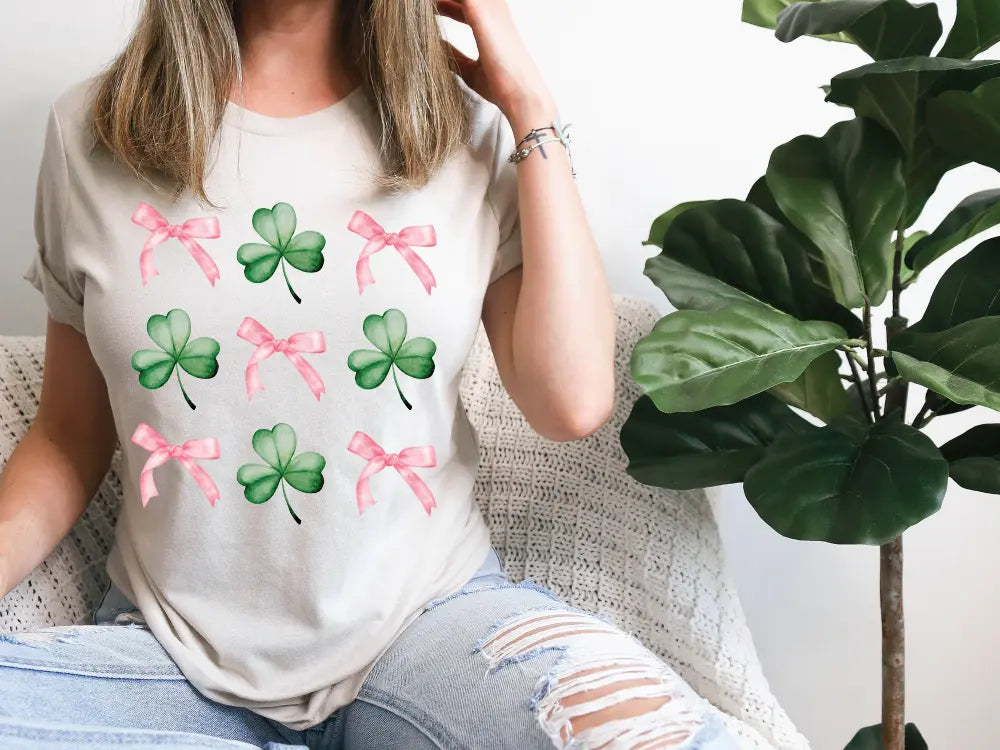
<point>284,371</point>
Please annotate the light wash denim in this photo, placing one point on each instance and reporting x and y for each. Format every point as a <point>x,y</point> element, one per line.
<point>444,683</point>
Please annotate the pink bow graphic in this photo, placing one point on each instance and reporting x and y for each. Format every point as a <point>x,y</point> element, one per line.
<point>404,241</point>
<point>149,218</point>
<point>293,347</point>
<point>162,451</point>
<point>404,461</point>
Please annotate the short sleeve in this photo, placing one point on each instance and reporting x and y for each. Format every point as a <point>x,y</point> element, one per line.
<point>502,195</point>
<point>49,269</point>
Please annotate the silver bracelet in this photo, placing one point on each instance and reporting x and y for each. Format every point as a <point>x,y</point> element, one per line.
<point>561,135</point>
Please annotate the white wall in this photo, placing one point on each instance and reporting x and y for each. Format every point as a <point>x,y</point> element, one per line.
<point>670,102</point>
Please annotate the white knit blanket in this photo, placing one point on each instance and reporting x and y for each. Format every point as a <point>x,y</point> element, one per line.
<point>565,515</point>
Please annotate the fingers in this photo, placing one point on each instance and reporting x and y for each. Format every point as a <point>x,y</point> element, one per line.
<point>466,64</point>
<point>452,9</point>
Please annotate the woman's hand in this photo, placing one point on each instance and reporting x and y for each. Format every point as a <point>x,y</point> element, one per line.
<point>505,73</point>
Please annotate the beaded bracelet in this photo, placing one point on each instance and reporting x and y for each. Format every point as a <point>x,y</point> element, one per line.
<point>561,135</point>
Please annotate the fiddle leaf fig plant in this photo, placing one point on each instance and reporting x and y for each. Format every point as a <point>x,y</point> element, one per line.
<point>773,370</point>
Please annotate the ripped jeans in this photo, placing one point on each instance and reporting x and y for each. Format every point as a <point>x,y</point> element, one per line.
<point>496,666</point>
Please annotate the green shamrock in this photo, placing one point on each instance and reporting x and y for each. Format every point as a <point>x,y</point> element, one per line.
<point>171,332</point>
<point>277,447</point>
<point>276,225</point>
<point>388,332</point>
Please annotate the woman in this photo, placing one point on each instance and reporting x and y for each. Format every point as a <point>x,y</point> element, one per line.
<point>266,236</point>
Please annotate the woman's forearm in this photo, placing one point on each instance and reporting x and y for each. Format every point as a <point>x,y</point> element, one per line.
<point>564,325</point>
<point>60,463</point>
<point>44,490</point>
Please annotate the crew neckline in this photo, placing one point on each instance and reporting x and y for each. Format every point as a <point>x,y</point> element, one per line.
<point>248,120</point>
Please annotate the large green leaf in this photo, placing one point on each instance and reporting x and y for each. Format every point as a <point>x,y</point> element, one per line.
<point>967,124</point>
<point>890,92</point>
<point>761,196</point>
<point>819,390</point>
<point>870,738</point>
<point>906,274</point>
<point>961,363</point>
<point>976,29</point>
<point>969,289</point>
<point>707,448</point>
<point>894,93</point>
<point>974,458</point>
<point>694,360</point>
<point>844,191</point>
<point>975,214</point>
<point>662,223</point>
<point>765,13</point>
<point>727,251</point>
<point>848,483</point>
<point>885,29</point>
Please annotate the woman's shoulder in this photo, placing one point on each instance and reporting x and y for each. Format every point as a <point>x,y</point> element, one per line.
<point>488,124</point>
<point>72,111</point>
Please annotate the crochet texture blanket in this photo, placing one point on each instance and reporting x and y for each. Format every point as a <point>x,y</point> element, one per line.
<point>565,515</point>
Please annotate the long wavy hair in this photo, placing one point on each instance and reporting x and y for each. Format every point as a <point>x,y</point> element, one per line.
<point>159,104</point>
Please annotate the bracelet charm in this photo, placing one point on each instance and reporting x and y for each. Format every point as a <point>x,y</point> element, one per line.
<point>561,136</point>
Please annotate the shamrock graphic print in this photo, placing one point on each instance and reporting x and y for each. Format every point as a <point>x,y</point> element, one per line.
<point>276,226</point>
<point>393,352</point>
<point>172,333</point>
<point>304,472</point>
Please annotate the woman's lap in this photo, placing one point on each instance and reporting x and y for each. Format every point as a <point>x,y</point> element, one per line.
<point>496,666</point>
<point>72,684</point>
<point>511,666</point>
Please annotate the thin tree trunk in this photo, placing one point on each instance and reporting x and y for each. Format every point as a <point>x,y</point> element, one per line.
<point>891,554</point>
<point>893,645</point>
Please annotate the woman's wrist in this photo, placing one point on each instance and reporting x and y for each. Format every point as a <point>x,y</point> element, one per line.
<point>530,109</point>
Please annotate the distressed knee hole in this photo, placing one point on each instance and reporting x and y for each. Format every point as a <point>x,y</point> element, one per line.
<point>606,691</point>
<point>42,638</point>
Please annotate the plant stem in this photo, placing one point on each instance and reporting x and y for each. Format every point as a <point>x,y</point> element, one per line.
<point>923,416</point>
<point>872,386</point>
<point>400,390</point>
<point>856,375</point>
<point>284,272</point>
<point>893,646</point>
<point>856,357</point>
<point>283,492</point>
<point>891,558</point>
<point>897,267</point>
<point>190,403</point>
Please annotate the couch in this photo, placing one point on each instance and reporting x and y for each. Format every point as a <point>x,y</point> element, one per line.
<point>565,515</point>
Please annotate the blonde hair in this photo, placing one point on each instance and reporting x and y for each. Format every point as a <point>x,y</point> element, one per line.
<point>159,104</point>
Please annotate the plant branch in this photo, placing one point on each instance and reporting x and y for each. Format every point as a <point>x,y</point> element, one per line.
<point>856,357</point>
<point>872,386</point>
<point>885,388</point>
<point>856,376</point>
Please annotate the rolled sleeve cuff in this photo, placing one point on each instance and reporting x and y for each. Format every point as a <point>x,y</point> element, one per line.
<point>62,306</point>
